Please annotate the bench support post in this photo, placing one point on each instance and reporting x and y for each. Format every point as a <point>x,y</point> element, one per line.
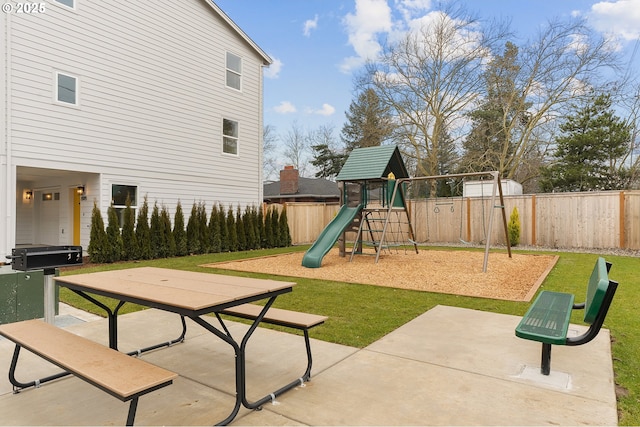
<point>17,385</point>
<point>545,364</point>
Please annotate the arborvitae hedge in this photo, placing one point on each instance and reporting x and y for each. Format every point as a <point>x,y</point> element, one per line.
<point>143,234</point>
<point>226,230</point>
<point>113,251</point>
<point>98,236</point>
<point>129,241</point>
<point>179,233</point>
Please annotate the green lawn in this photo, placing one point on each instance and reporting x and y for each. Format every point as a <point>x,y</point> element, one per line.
<point>373,312</point>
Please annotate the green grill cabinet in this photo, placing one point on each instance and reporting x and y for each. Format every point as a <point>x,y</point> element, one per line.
<point>22,295</point>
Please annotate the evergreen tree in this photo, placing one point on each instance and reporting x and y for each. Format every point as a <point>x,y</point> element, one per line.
<point>203,229</point>
<point>169,240</point>
<point>240,229</point>
<point>262,228</point>
<point>114,238</point>
<point>157,234</point>
<point>328,162</point>
<point>224,229</point>
<point>98,237</point>
<point>179,233</point>
<point>214,229</point>
<point>285,234</point>
<point>231,230</point>
<point>590,152</point>
<point>143,234</point>
<point>274,239</point>
<point>250,228</point>
<point>368,123</point>
<point>129,241</point>
<point>266,237</point>
<point>193,234</point>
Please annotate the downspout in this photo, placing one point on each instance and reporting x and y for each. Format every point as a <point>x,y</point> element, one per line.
<point>10,184</point>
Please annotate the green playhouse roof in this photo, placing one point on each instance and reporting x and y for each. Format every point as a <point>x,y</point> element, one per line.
<point>373,163</point>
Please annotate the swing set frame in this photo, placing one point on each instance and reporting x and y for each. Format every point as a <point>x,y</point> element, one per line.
<point>496,192</point>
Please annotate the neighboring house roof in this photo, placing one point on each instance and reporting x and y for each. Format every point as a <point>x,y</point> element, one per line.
<point>266,58</point>
<point>373,163</point>
<point>307,187</point>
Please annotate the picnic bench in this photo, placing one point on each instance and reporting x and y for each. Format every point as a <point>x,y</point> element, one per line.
<point>122,376</point>
<point>547,320</point>
<point>285,318</point>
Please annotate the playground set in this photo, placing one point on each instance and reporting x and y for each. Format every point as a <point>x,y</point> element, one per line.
<point>374,185</point>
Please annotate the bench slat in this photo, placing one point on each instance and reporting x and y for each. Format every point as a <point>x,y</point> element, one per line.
<point>547,320</point>
<point>277,316</point>
<point>120,375</point>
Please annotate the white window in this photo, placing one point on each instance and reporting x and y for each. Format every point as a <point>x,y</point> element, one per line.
<point>234,71</point>
<point>66,89</point>
<point>229,136</point>
<point>119,195</point>
<point>68,3</point>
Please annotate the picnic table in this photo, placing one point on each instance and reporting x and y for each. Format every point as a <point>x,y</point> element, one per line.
<point>189,294</point>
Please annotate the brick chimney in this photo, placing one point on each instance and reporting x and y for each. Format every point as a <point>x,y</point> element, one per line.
<point>289,180</point>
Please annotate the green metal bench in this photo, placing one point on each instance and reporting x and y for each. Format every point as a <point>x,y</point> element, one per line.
<point>547,320</point>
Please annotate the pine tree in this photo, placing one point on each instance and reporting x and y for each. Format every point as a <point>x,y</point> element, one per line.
<point>179,233</point>
<point>590,152</point>
<point>143,234</point>
<point>368,123</point>
<point>129,241</point>
<point>98,237</point>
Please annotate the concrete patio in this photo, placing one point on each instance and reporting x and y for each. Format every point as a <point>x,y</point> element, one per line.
<point>449,366</point>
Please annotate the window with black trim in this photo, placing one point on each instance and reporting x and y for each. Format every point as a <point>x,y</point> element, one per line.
<point>229,136</point>
<point>119,194</point>
<point>234,71</point>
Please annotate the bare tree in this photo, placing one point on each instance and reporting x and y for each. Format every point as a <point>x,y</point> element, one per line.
<point>430,79</point>
<point>296,148</point>
<point>270,165</point>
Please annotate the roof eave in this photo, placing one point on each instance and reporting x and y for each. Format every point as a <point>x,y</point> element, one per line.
<point>266,59</point>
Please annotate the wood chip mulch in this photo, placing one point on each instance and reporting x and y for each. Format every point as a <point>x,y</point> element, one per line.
<point>451,272</point>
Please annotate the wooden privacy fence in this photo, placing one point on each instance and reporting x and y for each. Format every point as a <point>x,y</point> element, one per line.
<point>590,220</point>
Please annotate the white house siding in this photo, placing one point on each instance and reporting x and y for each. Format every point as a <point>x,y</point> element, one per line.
<point>152,97</point>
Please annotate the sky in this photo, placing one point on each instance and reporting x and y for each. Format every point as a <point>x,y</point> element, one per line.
<point>318,46</point>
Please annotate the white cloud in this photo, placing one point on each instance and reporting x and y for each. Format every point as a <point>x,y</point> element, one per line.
<point>371,18</point>
<point>273,71</point>
<point>285,107</point>
<point>620,17</point>
<point>310,24</point>
<point>326,110</point>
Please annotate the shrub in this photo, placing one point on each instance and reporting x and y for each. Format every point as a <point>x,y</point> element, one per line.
<point>240,230</point>
<point>214,230</point>
<point>285,234</point>
<point>98,237</point>
<point>514,228</point>
<point>232,230</point>
<point>169,240</point>
<point>193,234</point>
<point>143,234</point>
<point>179,233</point>
<point>113,251</point>
<point>129,241</point>
<point>224,229</point>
